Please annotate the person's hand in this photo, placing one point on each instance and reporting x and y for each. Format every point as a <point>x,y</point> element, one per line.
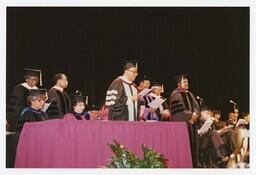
<point>193,118</point>
<point>166,114</point>
<point>134,97</point>
<point>152,110</point>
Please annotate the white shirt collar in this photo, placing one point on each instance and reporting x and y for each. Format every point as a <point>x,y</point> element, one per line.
<point>125,79</point>
<point>25,84</point>
<point>58,88</point>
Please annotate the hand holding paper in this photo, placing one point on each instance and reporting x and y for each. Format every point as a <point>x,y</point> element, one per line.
<point>46,106</point>
<point>156,103</point>
<point>144,92</point>
<point>205,126</point>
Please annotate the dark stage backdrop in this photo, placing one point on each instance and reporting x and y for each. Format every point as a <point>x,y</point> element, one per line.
<point>89,43</point>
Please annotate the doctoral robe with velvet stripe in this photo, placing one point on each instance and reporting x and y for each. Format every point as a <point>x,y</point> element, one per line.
<point>182,105</point>
<point>120,107</point>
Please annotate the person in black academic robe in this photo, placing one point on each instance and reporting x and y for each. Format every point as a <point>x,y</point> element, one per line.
<point>58,97</point>
<point>184,107</point>
<point>121,97</point>
<point>33,113</point>
<point>162,113</point>
<point>212,148</point>
<point>36,99</point>
<point>18,99</point>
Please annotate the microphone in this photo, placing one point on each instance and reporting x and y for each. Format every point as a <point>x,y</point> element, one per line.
<point>231,101</point>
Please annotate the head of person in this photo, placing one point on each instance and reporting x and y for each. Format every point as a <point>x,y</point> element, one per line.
<point>231,116</point>
<point>246,116</point>
<point>32,76</point>
<point>36,98</point>
<point>130,70</point>
<point>156,88</point>
<point>94,112</point>
<point>143,82</point>
<point>217,114</point>
<point>78,103</point>
<point>60,80</point>
<point>182,81</point>
<point>204,113</point>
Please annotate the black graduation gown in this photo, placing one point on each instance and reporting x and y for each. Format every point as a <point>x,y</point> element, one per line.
<point>17,102</point>
<point>30,115</point>
<point>116,100</point>
<point>182,105</point>
<point>60,104</point>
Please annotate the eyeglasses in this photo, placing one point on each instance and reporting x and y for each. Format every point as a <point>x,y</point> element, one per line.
<point>134,72</point>
<point>40,100</point>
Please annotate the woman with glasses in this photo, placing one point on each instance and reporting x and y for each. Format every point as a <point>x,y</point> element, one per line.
<point>34,112</point>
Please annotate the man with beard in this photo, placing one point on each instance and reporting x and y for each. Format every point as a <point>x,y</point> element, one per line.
<point>184,107</point>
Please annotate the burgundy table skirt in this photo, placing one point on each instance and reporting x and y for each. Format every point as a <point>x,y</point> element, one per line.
<point>83,144</point>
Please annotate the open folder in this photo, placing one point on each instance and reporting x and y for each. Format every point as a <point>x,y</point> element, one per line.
<point>46,106</point>
<point>205,126</point>
<point>144,92</point>
<point>156,103</point>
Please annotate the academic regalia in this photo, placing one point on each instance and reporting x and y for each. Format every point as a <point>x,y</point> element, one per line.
<point>76,116</point>
<point>30,115</point>
<point>60,103</point>
<point>219,124</point>
<point>120,106</point>
<point>212,146</point>
<point>18,99</point>
<point>182,105</point>
<point>17,103</point>
<point>156,115</point>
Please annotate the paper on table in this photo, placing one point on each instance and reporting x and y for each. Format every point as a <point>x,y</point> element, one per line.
<point>46,106</point>
<point>156,103</point>
<point>205,126</point>
<point>144,92</point>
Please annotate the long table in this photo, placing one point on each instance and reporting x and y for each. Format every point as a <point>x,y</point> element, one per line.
<point>83,144</point>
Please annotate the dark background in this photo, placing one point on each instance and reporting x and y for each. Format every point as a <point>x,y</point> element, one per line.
<point>88,44</point>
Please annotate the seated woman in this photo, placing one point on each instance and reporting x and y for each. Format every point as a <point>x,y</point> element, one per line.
<point>78,108</point>
<point>36,100</point>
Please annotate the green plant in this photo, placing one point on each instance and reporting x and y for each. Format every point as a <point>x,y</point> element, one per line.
<point>123,158</point>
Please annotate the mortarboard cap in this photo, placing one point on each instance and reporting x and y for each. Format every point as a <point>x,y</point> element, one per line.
<point>37,92</point>
<point>142,78</point>
<point>78,97</point>
<point>130,63</point>
<point>156,83</point>
<point>34,72</point>
<point>178,78</point>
